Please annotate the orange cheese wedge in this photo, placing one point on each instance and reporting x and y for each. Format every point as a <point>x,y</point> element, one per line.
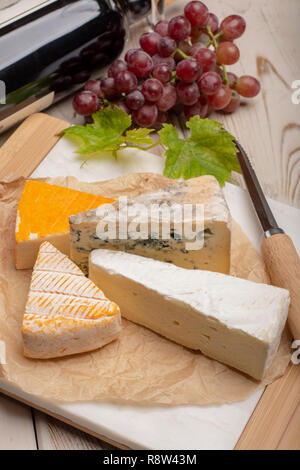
<point>65,313</point>
<point>43,215</point>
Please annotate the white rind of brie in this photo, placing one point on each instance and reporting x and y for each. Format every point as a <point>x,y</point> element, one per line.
<point>235,321</point>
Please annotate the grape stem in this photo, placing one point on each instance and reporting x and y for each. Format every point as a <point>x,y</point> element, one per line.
<point>226,80</point>
<point>179,51</point>
<point>213,41</point>
<point>144,148</point>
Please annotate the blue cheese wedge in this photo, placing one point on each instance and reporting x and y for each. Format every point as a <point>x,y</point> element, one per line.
<point>211,227</point>
<point>235,321</point>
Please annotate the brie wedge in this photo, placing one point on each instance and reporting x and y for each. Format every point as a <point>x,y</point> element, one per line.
<point>232,320</point>
<point>140,223</point>
<point>65,312</point>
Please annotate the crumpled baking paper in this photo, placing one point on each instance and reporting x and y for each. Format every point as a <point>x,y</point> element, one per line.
<point>141,367</point>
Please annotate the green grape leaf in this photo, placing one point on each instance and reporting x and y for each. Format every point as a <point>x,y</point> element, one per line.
<point>105,133</point>
<point>139,136</point>
<point>208,150</point>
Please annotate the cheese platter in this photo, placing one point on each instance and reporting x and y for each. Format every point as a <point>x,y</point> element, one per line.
<point>206,427</point>
<point>144,313</point>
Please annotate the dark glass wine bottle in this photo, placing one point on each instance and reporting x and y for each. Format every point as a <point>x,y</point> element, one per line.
<point>52,51</point>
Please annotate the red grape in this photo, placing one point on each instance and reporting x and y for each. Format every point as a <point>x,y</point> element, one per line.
<point>206,58</point>
<point>195,48</point>
<point>152,89</point>
<point>169,61</point>
<point>199,35</point>
<point>149,41</point>
<point>140,63</point>
<point>125,82</point>
<point>146,115</point>
<point>116,67</point>
<point>168,98</point>
<point>94,86</point>
<point>162,72</point>
<point>195,35</point>
<point>188,93</point>
<point>123,106</point>
<point>198,109</point>
<point>145,83</point>
<point>166,46</point>
<point>247,86</point>
<point>233,104</point>
<point>162,117</point>
<point>188,70</point>
<point>162,28</point>
<point>179,28</point>
<point>135,99</point>
<point>85,103</point>
<point>108,88</point>
<point>193,110</point>
<point>227,53</point>
<point>213,22</point>
<point>232,79</point>
<point>205,111</point>
<point>209,83</point>
<point>129,53</point>
<point>232,27</point>
<point>221,98</point>
<point>197,13</point>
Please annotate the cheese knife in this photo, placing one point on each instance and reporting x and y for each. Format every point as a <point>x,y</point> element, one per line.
<point>279,253</point>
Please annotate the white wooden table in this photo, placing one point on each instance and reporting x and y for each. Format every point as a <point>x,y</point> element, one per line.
<point>270,48</point>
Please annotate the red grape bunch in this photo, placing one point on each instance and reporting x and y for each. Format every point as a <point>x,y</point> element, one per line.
<point>180,66</point>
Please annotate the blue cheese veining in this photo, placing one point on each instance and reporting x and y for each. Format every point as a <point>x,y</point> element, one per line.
<point>213,253</point>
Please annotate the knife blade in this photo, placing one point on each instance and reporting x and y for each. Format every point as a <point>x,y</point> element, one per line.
<point>261,206</point>
<point>280,256</point>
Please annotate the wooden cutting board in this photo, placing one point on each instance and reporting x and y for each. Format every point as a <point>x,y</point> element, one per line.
<point>275,422</point>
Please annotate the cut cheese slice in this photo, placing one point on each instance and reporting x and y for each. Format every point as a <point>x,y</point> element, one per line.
<point>232,320</point>
<point>65,313</point>
<point>203,193</point>
<point>43,215</point>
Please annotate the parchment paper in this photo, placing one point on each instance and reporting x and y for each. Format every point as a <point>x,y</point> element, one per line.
<point>141,367</point>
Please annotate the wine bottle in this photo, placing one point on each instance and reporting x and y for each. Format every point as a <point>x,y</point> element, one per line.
<point>51,50</point>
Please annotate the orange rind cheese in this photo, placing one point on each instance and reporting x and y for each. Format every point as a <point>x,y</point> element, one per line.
<point>43,215</point>
<point>65,313</point>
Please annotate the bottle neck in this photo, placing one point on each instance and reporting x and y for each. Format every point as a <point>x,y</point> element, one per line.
<point>135,10</point>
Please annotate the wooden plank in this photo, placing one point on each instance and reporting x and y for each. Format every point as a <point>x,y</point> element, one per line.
<point>16,426</point>
<point>55,435</point>
<point>267,127</point>
<point>291,437</point>
<point>66,420</point>
<point>277,407</point>
<point>28,146</point>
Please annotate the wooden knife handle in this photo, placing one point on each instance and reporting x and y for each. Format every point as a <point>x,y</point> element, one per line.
<point>283,265</point>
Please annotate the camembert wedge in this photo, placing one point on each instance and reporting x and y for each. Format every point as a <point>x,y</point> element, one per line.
<point>232,320</point>
<point>43,215</point>
<point>203,192</point>
<point>65,312</point>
